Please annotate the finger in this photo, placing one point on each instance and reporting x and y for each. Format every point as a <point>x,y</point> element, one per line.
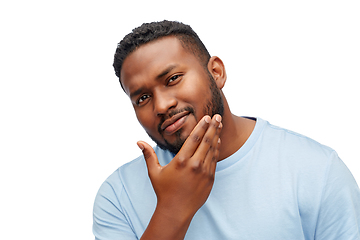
<point>208,139</point>
<point>213,152</point>
<point>215,159</point>
<point>151,159</point>
<point>194,139</point>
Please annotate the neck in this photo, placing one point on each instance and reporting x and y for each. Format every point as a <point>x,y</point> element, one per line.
<point>236,130</point>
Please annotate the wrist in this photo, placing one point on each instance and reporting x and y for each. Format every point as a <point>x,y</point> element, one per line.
<point>174,213</point>
<point>166,223</point>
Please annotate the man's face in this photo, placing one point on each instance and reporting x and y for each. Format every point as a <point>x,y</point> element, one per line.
<point>170,91</point>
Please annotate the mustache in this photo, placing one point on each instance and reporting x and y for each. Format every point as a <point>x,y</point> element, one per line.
<point>172,113</point>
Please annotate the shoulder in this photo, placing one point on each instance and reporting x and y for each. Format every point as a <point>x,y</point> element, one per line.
<point>131,175</point>
<point>116,182</point>
<point>293,143</point>
<point>295,156</point>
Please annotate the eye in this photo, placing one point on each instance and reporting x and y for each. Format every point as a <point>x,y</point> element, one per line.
<point>142,99</point>
<point>174,79</point>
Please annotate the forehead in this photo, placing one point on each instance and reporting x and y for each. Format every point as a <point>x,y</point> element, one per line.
<point>150,59</point>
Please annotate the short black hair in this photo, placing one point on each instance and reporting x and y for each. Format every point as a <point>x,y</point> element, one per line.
<point>148,32</point>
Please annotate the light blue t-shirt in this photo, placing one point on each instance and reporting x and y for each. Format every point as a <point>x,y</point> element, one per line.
<point>279,186</point>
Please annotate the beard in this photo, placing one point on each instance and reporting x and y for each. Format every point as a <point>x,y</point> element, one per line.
<point>214,105</point>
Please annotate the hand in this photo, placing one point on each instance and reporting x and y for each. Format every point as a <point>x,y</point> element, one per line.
<point>183,185</point>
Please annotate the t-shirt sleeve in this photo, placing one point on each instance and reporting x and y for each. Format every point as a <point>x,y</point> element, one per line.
<point>109,220</point>
<point>339,215</point>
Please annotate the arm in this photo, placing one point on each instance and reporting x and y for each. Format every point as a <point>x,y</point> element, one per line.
<point>183,185</point>
<point>109,221</point>
<point>339,216</point>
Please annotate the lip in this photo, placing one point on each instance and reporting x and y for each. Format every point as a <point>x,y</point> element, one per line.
<point>175,122</point>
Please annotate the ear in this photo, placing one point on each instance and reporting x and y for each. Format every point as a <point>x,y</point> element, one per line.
<point>217,70</point>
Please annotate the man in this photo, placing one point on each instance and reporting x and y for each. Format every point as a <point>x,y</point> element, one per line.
<point>214,175</point>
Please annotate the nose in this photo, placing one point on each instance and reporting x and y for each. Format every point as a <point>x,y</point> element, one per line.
<point>163,102</point>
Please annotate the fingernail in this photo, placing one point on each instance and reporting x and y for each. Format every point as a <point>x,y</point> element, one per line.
<point>140,146</point>
<point>218,118</point>
<point>207,119</point>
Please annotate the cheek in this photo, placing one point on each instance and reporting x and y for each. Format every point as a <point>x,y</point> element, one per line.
<point>194,88</point>
<point>147,121</point>
<point>196,93</point>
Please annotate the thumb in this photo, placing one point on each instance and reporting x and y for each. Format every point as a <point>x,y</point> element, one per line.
<point>151,159</point>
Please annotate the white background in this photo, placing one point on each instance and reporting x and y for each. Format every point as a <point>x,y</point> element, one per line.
<point>66,124</point>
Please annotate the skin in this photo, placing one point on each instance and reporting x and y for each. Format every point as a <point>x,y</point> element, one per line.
<point>164,81</point>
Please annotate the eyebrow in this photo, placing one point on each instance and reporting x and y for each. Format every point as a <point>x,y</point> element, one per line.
<point>166,71</point>
<point>136,92</point>
<point>162,74</point>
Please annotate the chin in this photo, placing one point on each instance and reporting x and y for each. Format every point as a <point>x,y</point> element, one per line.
<point>173,146</point>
